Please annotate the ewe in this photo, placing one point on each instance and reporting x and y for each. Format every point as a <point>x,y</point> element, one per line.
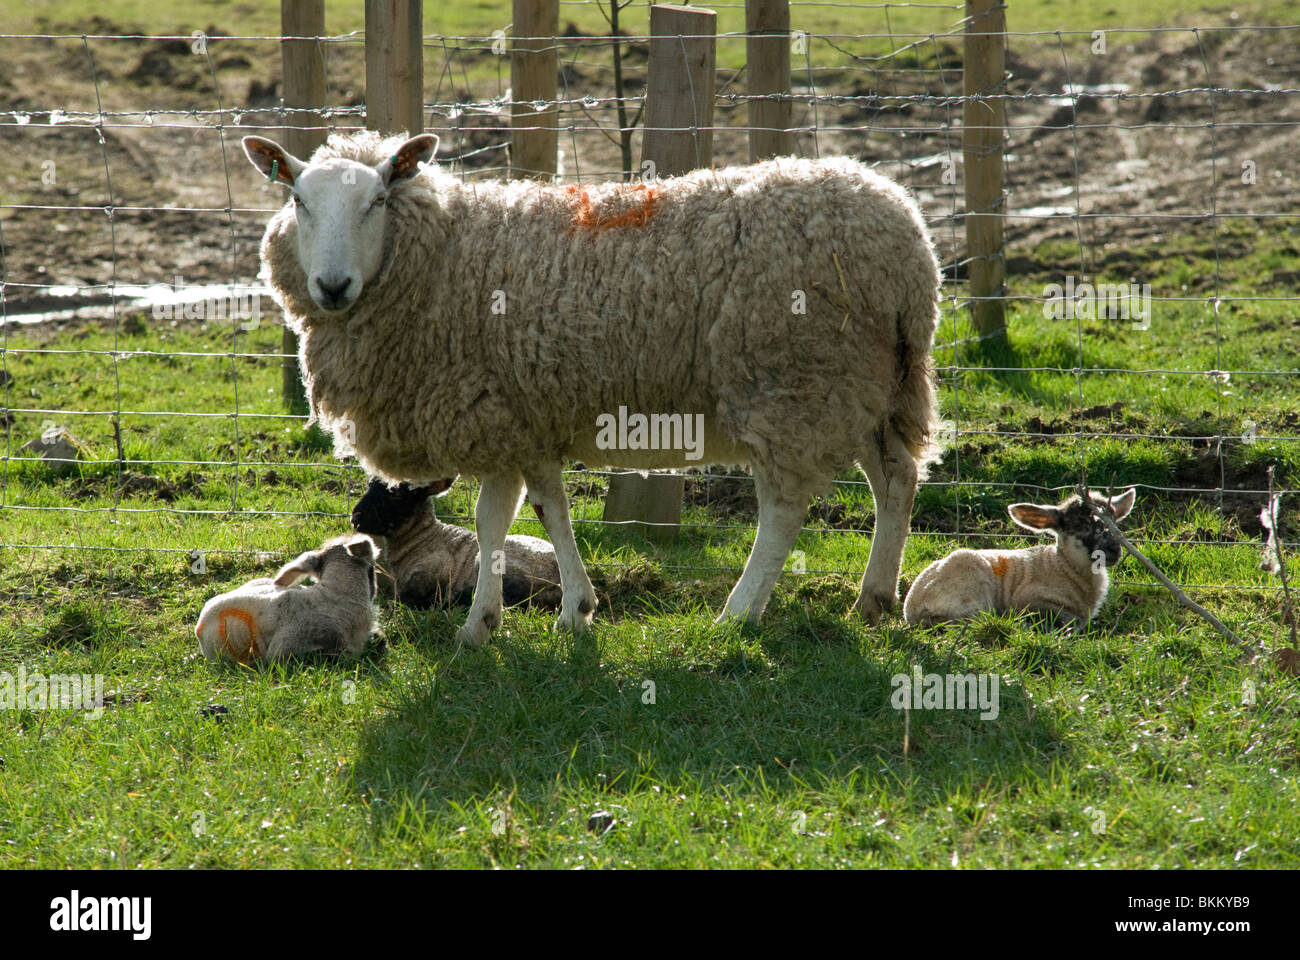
<point>436,564</point>
<point>482,327</point>
<point>1067,577</point>
<point>272,619</point>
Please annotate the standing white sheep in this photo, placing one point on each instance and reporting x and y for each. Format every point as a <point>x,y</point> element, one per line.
<point>1068,577</point>
<point>272,619</point>
<point>483,328</point>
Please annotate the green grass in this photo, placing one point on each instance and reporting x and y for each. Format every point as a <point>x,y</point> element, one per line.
<point>776,746</point>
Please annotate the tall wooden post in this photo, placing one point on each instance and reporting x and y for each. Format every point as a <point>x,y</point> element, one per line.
<point>983,63</point>
<point>678,139</point>
<point>679,89</point>
<point>767,73</point>
<point>304,86</point>
<point>394,66</point>
<point>534,73</point>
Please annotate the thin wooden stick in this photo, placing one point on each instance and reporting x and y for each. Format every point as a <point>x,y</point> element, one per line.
<point>1275,538</point>
<point>1168,584</point>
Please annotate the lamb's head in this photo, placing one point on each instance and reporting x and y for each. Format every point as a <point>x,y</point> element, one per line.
<point>341,559</point>
<point>384,510</point>
<point>1080,535</point>
<point>339,207</point>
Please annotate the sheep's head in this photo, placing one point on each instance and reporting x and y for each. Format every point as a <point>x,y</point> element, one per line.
<point>355,552</point>
<point>340,210</point>
<point>1079,534</point>
<point>383,510</point>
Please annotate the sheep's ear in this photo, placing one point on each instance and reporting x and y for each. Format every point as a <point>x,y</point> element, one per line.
<point>1121,505</point>
<point>1031,516</point>
<point>439,487</point>
<point>405,163</point>
<point>276,163</point>
<point>305,565</point>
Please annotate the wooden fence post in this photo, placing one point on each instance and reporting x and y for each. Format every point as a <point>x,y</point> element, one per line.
<point>678,139</point>
<point>767,74</point>
<point>304,86</point>
<point>983,63</point>
<point>394,66</point>
<point>534,72</point>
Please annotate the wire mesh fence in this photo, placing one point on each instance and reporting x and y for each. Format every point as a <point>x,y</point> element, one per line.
<point>127,210</point>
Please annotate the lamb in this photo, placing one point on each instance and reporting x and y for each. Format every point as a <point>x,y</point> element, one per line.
<point>488,327</point>
<point>1068,578</point>
<point>436,564</point>
<point>272,619</point>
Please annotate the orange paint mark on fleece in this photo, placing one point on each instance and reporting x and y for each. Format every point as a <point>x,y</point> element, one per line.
<point>246,618</point>
<point>1000,565</point>
<point>589,218</point>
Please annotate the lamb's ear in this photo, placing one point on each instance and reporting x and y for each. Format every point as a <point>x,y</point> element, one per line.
<point>363,548</point>
<point>1031,516</point>
<point>276,163</point>
<point>405,163</point>
<point>1122,504</point>
<point>439,487</point>
<point>304,565</point>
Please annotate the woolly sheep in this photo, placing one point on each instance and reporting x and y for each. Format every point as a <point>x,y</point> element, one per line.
<point>272,619</point>
<point>1069,577</point>
<point>434,563</point>
<point>483,327</point>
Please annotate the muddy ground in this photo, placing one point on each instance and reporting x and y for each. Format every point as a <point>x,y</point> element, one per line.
<point>188,205</point>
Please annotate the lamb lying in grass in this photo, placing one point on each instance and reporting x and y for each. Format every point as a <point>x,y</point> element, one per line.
<point>435,563</point>
<point>272,619</point>
<point>1067,578</point>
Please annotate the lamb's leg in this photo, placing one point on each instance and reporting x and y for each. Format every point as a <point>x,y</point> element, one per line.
<point>892,473</point>
<point>546,494</point>
<point>779,522</point>
<point>498,501</point>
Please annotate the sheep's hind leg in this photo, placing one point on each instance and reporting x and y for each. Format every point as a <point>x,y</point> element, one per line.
<point>892,474</point>
<point>779,522</point>
<point>498,501</point>
<point>546,494</point>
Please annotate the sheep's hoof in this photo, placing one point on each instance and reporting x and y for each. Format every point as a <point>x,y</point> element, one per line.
<point>475,632</point>
<point>871,609</point>
<point>574,620</point>
<point>742,617</point>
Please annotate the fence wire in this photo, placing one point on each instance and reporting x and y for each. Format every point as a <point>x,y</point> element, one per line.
<point>171,216</point>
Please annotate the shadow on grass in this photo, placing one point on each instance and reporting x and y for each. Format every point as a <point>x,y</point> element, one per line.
<point>793,705</point>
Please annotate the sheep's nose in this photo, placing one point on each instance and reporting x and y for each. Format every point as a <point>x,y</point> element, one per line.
<point>333,291</point>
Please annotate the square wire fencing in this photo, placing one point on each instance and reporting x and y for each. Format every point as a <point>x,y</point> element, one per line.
<point>126,207</point>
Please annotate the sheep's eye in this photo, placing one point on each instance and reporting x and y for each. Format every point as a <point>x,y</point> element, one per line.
<point>379,201</point>
<point>298,204</point>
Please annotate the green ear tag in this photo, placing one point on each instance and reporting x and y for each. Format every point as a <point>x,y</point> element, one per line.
<point>275,171</point>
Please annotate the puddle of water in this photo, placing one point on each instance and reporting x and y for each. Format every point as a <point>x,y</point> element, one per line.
<point>97,300</point>
<point>1038,212</point>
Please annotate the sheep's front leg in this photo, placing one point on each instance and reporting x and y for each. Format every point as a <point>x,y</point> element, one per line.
<point>498,501</point>
<point>546,494</point>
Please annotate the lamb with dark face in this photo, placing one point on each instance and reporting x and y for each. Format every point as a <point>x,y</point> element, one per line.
<point>436,564</point>
<point>1069,577</point>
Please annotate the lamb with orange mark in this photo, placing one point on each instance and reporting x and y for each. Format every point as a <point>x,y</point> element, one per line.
<point>1068,578</point>
<point>276,618</point>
